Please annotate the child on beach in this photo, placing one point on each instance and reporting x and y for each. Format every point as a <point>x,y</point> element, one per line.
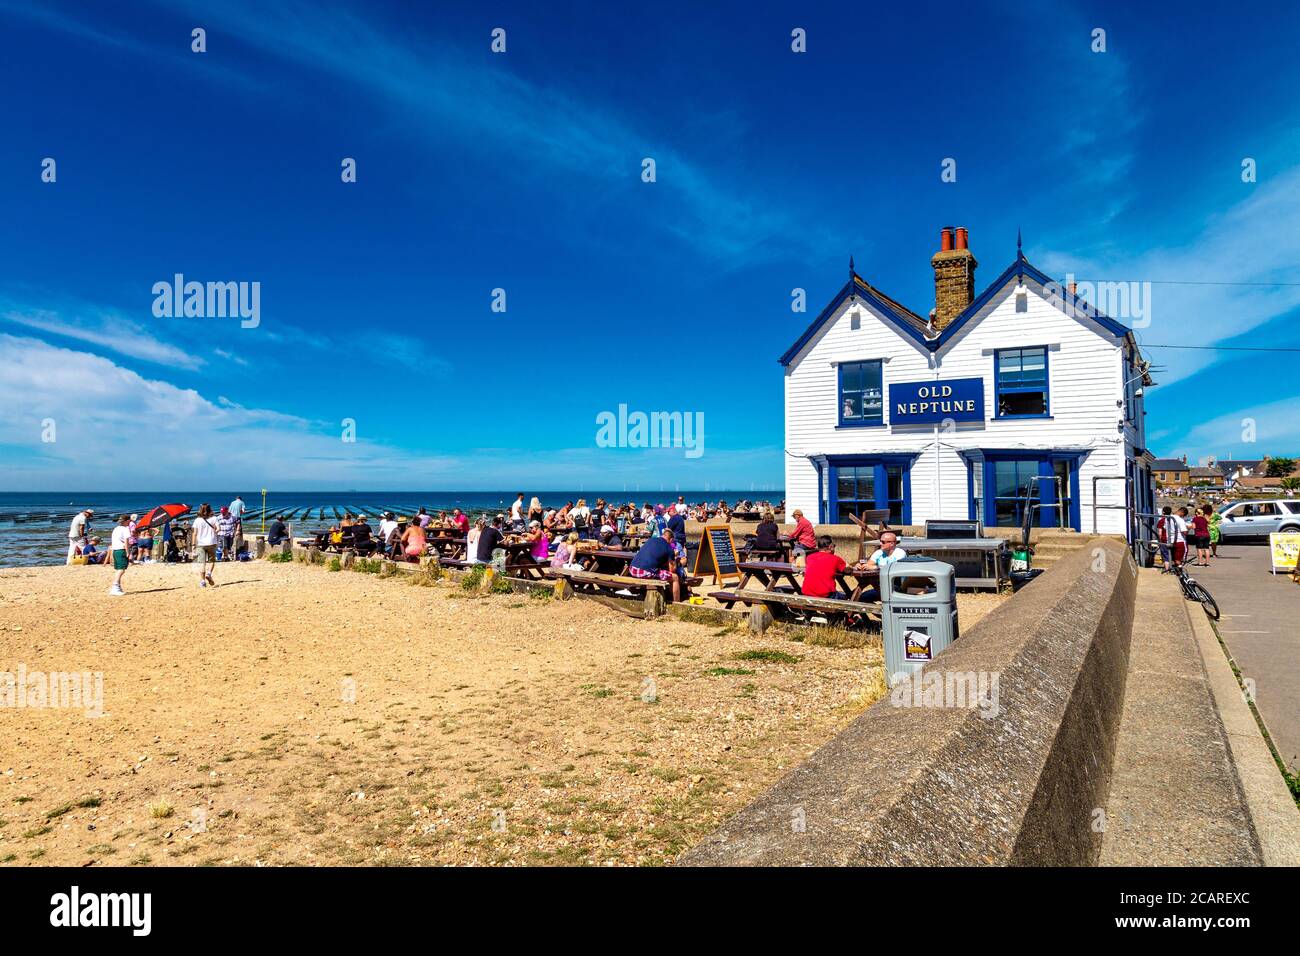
<point>121,547</point>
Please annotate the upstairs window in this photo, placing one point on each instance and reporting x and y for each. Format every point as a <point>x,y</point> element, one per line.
<point>1022,382</point>
<point>861,394</point>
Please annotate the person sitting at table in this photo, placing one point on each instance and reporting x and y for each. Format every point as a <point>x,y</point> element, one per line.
<point>821,568</point>
<point>803,538</point>
<point>566,552</point>
<point>609,536</point>
<point>767,536</point>
<point>658,559</point>
<point>410,546</point>
<point>888,553</point>
<point>361,539</point>
<point>489,539</point>
<point>540,541</point>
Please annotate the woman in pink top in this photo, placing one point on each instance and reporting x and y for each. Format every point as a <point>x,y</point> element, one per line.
<point>413,541</point>
<point>541,543</point>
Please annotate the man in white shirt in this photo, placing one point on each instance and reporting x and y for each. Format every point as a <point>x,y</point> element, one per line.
<point>387,525</point>
<point>517,513</point>
<point>680,507</point>
<point>237,508</point>
<point>77,532</point>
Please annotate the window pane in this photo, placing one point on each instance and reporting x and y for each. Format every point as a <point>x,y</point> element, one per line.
<point>895,475</point>
<point>845,490</point>
<point>1022,403</point>
<point>867,486</point>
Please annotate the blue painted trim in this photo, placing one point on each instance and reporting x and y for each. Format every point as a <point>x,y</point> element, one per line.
<point>839,396</point>
<point>880,463</point>
<point>970,489</point>
<point>821,498</point>
<point>1020,268</point>
<point>850,290</point>
<point>1046,459</point>
<point>998,389</point>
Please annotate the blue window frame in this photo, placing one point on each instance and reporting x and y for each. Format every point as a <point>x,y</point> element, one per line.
<point>882,482</point>
<point>1008,488</point>
<point>1020,377</point>
<point>861,394</point>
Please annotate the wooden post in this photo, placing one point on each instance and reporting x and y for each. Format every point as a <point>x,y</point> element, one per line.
<point>654,604</point>
<point>313,555</point>
<point>348,558</point>
<point>563,589</point>
<point>760,619</point>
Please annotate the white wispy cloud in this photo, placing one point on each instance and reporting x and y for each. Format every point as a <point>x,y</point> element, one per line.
<point>118,429</point>
<point>1250,250</point>
<point>108,330</point>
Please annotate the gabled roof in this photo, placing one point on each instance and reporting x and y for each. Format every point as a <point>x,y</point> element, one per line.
<point>918,329</point>
<point>1169,464</point>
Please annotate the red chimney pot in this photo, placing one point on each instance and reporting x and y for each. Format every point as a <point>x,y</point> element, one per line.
<point>963,238</point>
<point>945,239</point>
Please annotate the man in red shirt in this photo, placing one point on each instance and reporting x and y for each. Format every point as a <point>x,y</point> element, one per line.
<point>804,538</point>
<point>823,565</point>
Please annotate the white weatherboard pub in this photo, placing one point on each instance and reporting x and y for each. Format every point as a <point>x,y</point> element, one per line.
<point>1025,393</point>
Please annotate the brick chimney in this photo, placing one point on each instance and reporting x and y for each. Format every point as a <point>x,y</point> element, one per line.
<point>954,276</point>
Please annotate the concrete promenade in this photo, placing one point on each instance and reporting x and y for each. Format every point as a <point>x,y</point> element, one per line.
<point>1261,627</point>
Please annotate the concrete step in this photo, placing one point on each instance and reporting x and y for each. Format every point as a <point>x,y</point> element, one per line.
<point>1175,799</point>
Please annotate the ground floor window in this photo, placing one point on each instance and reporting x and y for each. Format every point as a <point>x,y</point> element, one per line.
<point>1044,485</point>
<point>870,484</point>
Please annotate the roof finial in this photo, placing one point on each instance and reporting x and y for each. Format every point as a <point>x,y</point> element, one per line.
<point>851,265</point>
<point>1017,240</point>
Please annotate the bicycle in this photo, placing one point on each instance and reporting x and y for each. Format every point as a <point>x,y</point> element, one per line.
<point>1194,591</point>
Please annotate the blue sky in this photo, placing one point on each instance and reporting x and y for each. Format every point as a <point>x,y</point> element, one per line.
<point>522,171</point>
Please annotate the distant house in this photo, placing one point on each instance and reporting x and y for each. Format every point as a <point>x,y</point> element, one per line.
<point>1240,468</point>
<point>1259,484</point>
<point>1204,477</point>
<point>1170,472</point>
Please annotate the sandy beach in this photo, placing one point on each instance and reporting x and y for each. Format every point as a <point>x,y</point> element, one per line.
<point>298,716</point>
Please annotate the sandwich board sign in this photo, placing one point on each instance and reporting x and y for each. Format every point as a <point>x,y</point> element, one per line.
<point>1284,548</point>
<point>717,554</point>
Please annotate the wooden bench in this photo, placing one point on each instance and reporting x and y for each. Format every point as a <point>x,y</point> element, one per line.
<point>653,592</point>
<point>766,605</point>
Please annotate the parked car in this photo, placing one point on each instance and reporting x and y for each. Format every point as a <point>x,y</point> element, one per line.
<point>1258,519</point>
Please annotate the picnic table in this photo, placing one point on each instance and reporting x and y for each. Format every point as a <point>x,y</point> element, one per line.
<point>608,560</point>
<point>771,573</point>
<point>446,546</point>
<point>783,553</point>
<point>520,562</point>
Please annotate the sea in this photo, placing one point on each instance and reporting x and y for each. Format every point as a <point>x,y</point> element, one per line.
<point>34,525</point>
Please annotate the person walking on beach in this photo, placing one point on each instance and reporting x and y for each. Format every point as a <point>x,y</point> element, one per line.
<point>204,537</point>
<point>121,548</point>
<point>237,508</point>
<point>226,531</point>
<point>77,532</point>
<point>517,513</point>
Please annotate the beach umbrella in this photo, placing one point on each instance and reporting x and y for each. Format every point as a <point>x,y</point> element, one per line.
<point>157,516</point>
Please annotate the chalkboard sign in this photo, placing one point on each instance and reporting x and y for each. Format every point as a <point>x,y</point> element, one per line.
<point>717,554</point>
